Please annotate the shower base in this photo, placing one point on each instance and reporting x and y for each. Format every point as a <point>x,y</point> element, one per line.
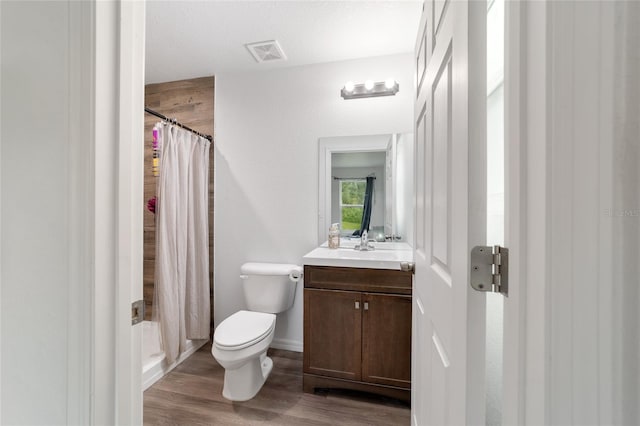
<point>154,364</point>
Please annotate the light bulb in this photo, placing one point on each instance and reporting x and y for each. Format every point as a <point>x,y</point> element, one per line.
<point>389,83</point>
<point>349,86</point>
<point>368,84</point>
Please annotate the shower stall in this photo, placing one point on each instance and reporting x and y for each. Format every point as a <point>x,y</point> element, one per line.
<point>168,337</point>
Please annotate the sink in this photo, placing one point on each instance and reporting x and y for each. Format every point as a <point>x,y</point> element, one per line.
<point>387,255</point>
<point>349,243</point>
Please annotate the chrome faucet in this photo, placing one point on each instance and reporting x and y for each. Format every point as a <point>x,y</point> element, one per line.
<point>364,242</point>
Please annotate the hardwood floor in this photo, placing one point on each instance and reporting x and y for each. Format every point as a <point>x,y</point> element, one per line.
<point>192,395</point>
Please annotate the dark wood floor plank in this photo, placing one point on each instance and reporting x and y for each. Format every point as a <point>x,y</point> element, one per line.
<point>192,395</point>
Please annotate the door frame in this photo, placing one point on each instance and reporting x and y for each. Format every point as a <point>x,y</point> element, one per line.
<point>106,68</point>
<point>526,179</point>
<point>515,229</point>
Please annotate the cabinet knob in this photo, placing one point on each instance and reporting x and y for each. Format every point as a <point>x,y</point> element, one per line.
<point>357,305</point>
<point>366,306</point>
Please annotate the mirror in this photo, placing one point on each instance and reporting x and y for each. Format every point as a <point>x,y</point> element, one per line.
<point>344,164</point>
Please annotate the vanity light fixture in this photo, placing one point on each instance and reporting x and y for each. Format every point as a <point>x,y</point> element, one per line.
<point>349,86</point>
<point>369,89</point>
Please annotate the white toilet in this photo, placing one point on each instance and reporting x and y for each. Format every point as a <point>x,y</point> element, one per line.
<point>241,341</point>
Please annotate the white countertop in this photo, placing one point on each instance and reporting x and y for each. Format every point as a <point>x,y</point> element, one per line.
<point>385,256</point>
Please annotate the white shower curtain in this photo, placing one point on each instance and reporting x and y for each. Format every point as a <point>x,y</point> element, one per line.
<point>181,297</point>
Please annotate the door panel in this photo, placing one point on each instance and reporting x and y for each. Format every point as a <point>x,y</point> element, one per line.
<point>332,333</point>
<point>420,362</point>
<point>421,236</point>
<point>438,9</point>
<point>421,62</point>
<point>442,310</point>
<point>448,385</point>
<point>439,385</point>
<point>386,336</point>
<point>440,166</point>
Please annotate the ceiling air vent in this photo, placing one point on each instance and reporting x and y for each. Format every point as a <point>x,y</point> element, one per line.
<point>266,51</point>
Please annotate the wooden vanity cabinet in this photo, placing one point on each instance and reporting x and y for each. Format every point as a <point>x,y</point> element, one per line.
<point>357,330</point>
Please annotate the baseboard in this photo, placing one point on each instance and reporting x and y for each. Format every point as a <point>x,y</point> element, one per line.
<point>287,345</point>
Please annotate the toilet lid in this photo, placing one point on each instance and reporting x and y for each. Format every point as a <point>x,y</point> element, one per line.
<point>243,329</point>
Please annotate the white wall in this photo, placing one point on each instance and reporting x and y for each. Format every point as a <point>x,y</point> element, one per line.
<point>266,167</point>
<point>35,192</point>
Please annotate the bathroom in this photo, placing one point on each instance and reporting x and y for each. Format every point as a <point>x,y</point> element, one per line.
<point>72,89</point>
<point>270,120</point>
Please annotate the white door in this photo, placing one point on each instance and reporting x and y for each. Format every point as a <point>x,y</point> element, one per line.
<point>450,194</point>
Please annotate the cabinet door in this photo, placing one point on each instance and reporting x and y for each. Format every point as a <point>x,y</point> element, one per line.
<point>386,335</point>
<point>332,333</point>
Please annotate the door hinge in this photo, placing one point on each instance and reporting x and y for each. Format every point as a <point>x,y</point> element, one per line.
<point>137,312</point>
<point>490,269</point>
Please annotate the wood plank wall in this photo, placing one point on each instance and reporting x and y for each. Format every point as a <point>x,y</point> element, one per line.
<point>191,103</point>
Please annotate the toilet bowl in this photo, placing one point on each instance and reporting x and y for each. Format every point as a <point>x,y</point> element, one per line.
<point>240,346</point>
<point>241,341</point>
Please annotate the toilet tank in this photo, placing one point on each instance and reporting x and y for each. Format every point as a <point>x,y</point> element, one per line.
<point>269,287</point>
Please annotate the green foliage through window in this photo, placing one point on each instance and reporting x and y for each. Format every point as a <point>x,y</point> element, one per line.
<point>351,203</point>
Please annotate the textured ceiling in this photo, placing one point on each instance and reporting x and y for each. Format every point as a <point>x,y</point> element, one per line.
<point>186,39</point>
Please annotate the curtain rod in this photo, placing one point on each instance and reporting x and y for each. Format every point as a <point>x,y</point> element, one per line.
<point>174,121</point>
<point>352,178</point>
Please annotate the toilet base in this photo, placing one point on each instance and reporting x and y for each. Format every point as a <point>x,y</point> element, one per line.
<point>243,383</point>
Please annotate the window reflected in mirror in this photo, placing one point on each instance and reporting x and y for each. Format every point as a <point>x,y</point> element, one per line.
<point>351,203</point>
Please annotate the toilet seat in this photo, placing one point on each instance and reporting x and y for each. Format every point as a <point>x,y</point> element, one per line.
<point>243,329</point>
